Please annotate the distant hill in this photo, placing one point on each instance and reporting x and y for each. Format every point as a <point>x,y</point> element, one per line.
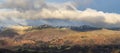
<point>58,39</point>
<point>76,28</point>
<point>72,34</point>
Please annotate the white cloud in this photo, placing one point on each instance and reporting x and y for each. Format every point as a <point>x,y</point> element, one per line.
<point>23,5</point>
<point>28,12</point>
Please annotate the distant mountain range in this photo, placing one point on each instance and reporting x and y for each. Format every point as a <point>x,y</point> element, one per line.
<point>76,28</point>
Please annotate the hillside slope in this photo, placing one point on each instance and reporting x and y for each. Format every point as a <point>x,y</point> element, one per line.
<point>59,39</point>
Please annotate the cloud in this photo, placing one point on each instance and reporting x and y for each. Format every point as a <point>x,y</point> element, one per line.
<point>28,12</point>
<point>23,5</point>
<point>89,16</point>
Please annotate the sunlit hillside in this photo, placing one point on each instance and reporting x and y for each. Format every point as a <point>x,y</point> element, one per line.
<point>53,35</point>
<point>38,37</point>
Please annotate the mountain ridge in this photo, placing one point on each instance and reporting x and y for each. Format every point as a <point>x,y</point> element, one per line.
<point>76,28</point>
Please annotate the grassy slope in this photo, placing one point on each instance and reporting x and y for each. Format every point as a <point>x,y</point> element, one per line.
<point>67,36</point>
<point>50,38</point>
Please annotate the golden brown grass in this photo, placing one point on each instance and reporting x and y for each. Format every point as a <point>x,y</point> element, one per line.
<point>98,37</point>
<point>69,37</point>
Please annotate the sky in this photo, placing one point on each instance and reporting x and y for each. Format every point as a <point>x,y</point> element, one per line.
<point>112,6</point>
<point>99,13</point>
